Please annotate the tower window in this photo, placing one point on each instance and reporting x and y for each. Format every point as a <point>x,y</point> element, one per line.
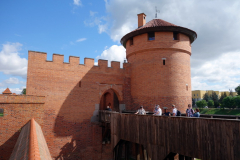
<point>187,87</point>
<point>164,61</point>
<point>175,36</point>
<point>131,41</point>
<point>151,36</point>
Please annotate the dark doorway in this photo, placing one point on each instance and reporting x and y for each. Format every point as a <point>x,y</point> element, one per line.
<point>109,98</point>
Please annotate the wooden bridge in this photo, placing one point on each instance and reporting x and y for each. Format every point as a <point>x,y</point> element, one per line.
<point>151,137</point>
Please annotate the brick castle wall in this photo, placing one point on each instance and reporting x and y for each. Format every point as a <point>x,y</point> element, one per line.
<point>73,91</point>
<point>18,110</point>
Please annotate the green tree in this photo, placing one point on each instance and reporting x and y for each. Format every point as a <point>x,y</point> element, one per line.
<point>230,92</point>
<point>193,102</point>
<point>215,99</point>
<point>23,91</point>
<point>210,103</point>
<point>223,95</point>
<point>201,103</point>
<point>207,97</point>
<point>237,89</point>
<point>228,102</point>
<point>237,101</point>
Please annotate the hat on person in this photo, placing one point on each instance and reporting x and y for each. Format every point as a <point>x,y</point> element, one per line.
<point>141,107</point>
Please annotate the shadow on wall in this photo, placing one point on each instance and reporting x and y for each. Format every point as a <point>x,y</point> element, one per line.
<point>74,118</point>
<point>8,146</point>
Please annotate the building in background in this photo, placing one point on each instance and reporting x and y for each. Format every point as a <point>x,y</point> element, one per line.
<point>197,95</point>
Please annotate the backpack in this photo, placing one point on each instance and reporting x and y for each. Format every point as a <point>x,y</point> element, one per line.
<point>178,113</point>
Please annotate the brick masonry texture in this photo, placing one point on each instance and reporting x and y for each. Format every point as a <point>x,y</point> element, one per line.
<point>18,110</point>
<point>73,91</point>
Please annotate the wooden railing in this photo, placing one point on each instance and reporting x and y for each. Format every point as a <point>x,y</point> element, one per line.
<point>204,138</point>
<point>105,116</point>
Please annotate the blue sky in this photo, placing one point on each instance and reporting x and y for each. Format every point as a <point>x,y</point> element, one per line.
<point>93,29</point>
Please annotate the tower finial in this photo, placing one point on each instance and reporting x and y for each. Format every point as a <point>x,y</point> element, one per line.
<point>157,11</point>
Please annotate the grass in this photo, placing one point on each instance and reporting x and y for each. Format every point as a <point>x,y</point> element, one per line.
<point>220,111</point>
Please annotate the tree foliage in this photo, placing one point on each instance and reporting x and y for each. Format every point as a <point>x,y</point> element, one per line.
<point>207,97</point>
<point>237,101</point>
<point>210,103</point>
<point>23,91</point>
<point>201,103</point>
<point>193,102</point>
<point>223,95</point>
<point>237,89</point>
<point>231,92</point>
<point>228,102</point>
<point>215,99</point>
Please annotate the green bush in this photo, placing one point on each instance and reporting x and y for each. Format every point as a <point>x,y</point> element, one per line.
<point>201,103</point>
<point>237,101</point>
<point>210,103</point>
<point>228,102</point>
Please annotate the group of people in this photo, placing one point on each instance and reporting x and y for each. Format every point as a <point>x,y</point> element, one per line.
<point>158,111</point>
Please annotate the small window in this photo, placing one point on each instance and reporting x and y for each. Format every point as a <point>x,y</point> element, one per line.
<point>151,36</point>
<point>1,112</point>
<point>175,36</point>
<point>131,41</point>
<point>197,94</point>
<point>194,95</point>
<point>164,61</point>
<point>187,87</point>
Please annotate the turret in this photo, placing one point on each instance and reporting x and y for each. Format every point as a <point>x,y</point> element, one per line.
<point>159,53</point>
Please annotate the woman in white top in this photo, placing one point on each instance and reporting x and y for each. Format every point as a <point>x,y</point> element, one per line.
<point>157,111</point>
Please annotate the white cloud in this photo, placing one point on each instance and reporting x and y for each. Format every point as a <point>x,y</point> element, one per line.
<point>221,74</point>
<point>114,53</point>
<point>77,2</point>
<point>101,22</point>
<point>10,61</point>
<point>81,39</point>
<point>93,13</point>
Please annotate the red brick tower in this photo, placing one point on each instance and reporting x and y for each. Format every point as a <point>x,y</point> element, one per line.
<point>159,53</point>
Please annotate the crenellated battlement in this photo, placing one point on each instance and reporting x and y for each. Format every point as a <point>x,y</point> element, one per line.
<point>41,57</point>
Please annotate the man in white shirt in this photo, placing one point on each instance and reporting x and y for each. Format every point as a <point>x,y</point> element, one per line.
<point>174,110</point>
<point>157,111</point>
<point>141,111</point>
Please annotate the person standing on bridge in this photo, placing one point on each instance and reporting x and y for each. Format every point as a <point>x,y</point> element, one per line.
<point>141,111</point>
<point>189,111</point>
<point>157,111</point>
<point>174,110</point>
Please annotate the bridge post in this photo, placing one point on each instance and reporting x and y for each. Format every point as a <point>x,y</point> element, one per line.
<point>181,157</point>
<point>144,153</point>
<point>137,152</point>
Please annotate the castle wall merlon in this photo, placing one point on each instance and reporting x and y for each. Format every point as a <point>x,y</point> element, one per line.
<point>58,58</point>
<point>103,63</point>
<point>37,56</point>
<point>89,62</point>
<point>115,64</point>
<point>74,60</point>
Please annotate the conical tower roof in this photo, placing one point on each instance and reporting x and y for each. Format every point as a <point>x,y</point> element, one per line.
<point>159,25</point>
<point>7,91</point>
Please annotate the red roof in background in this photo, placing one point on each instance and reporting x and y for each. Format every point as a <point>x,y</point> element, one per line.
<point>7,91</point>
